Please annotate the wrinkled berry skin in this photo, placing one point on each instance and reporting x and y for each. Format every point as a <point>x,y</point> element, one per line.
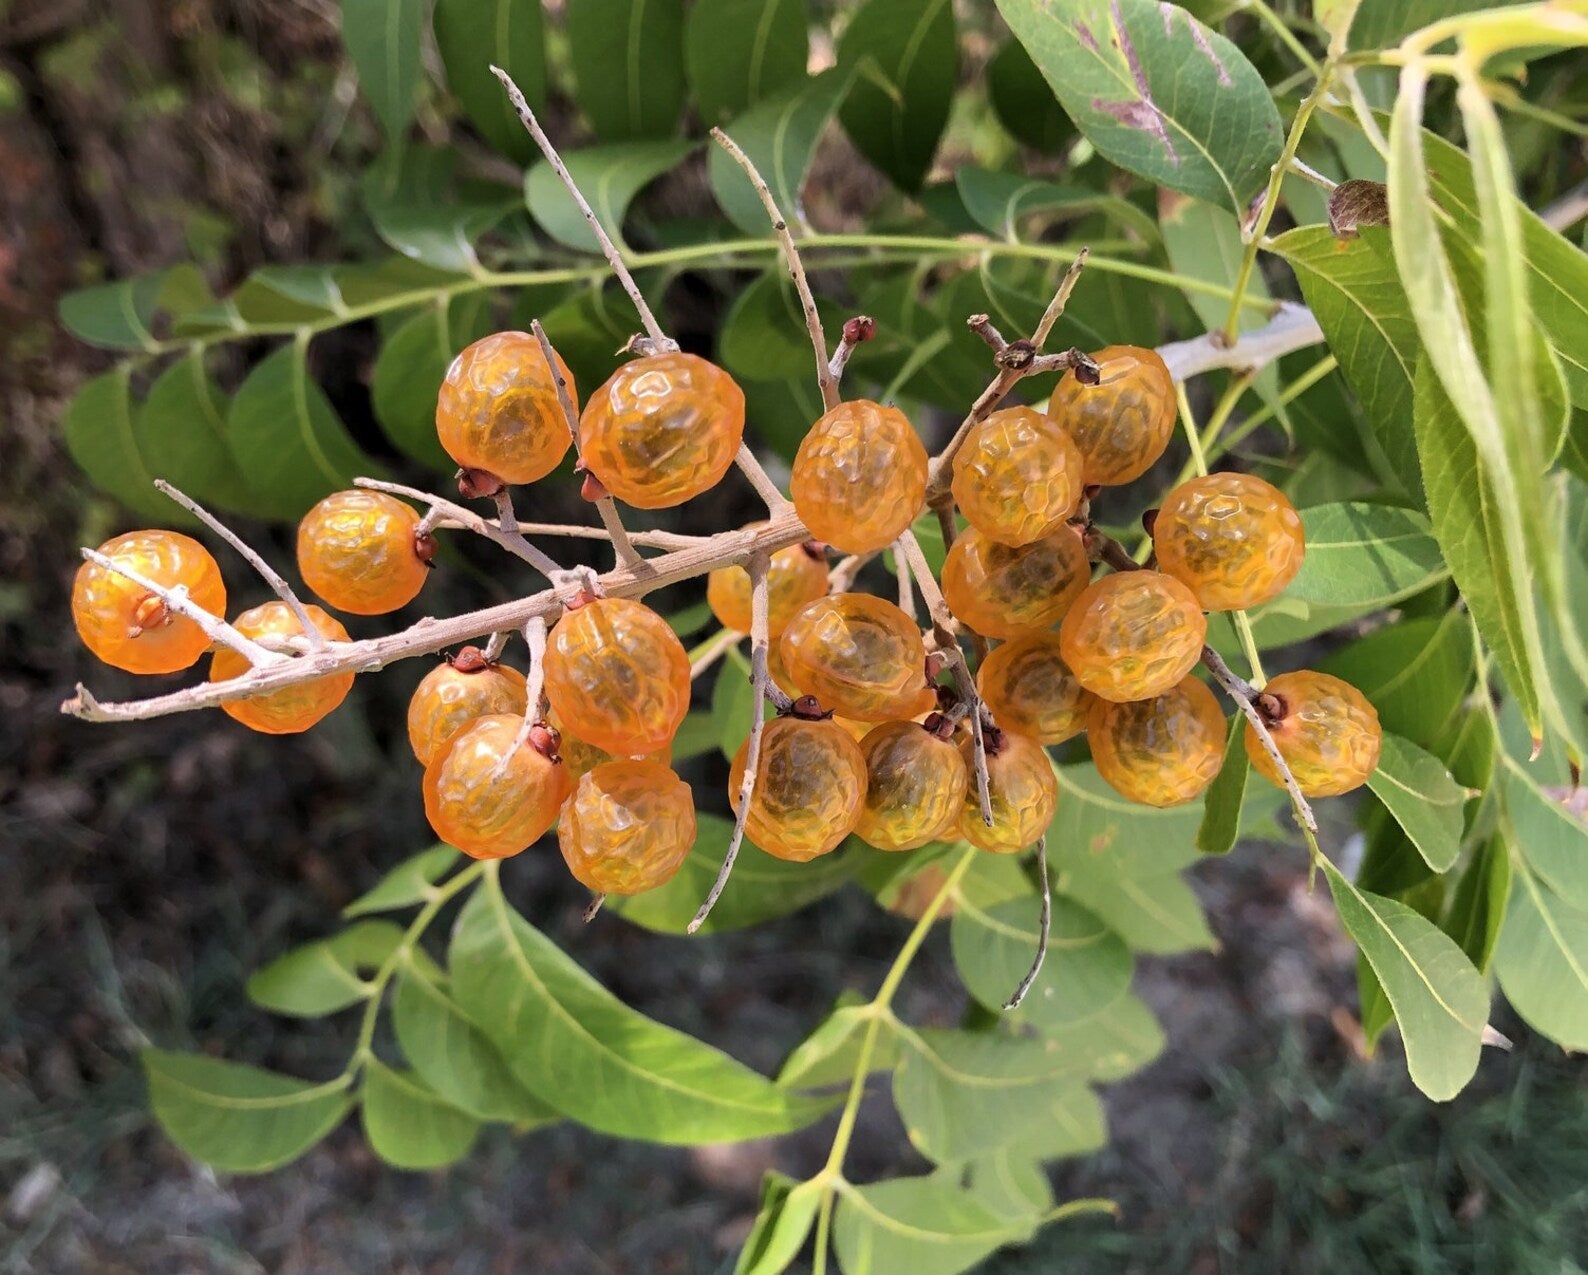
<point>447,699</point>
<point>860,656</point>
<point>915,785</point>
<point>356,550</point>
<point>618,676</point>
<point>1017,477</point>
<point>810,783</point>
<point>795,577</point>
<point>663,429</point>
<point>488,809</point>
<point>1029,689</point>
<point>127,626</point>
<point>498,409</point>
<point>1161,751</point>
<point>1329,735</point>
<point>1123,424</point>
<point>293,708</point>
<point>1002,592</point>
<point>859,477</point>
<point>627,827</point>
<point>1132,635</point>
<point>1233,539</point>
<point>1023,792</point>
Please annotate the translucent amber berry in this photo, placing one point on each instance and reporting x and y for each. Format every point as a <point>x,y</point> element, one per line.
<point>915,785</point>
<point>618,676</point>
<point>498,409</point>
<point>356,550</point>
<point>662,429</point>
<point>1133,635</point>
<point>1122,424</point>
<point>453,694</point>
<point>1160,751</point>
<point>860,656</point>
<point>794,577</point>
<point>126,625</point>
<point>1001,590</point>
<point>810,783</point>
<point>487,798</point>
<point>1232,538</point>
<point>1029,689</point>
<point>1018,476</point>
<point>859,477</point>
<point>627,827</point>
<point>293,708</point>
<point>581,757</point>
<point>1022,788</point>
<point>1327,732</point>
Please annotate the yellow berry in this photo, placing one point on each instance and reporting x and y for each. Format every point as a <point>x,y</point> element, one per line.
<point>1326,730</point>
<point>859,477</point>
<point>498,409</point>
<point>1133,635</point>
<point>859,656</point>
<point>1022,789</point>
<point>1233,539</point>
<point>126,625</point>
<point>488,798</point>
<point>1122,424</point>
<point>293,708</point>
<point>1161,751</point>
<point>454,693</point>
<point>627,827</point>
<point>1029,689</point>
<point>810,782</point>
<point>1002,591</point>
<point>358,550</point>
<point>915,786</point>
<point>1017,477</point>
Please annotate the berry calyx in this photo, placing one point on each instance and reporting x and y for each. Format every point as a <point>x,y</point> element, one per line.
<point>1029,689</point>
<point>1021,787</point>
<point>498,413</point>
<point>810,783</point>
<point>795,577</point>
<point>359,551</point>
<point>664,428</point>
<point>1325,729</point>
<point>1017,477</point>
<point>454,693</point>
<point>617,676</point>
<point>1161,751</point>
<point>1002,591</point>
<point>293,708</point>
<point>859,477</point>
<point>1123,423</point>
<point>915,785</point>
<point>1132,635</point>
<point>627,827</point>
<point>1233,539</point>
<point>127,626</point>
<point>489,798</point>
<point>860,656</point>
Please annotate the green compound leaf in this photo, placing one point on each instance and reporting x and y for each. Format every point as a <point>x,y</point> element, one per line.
<point>383,38</point>
<point>1417,789</point>
<point>781,1224</point>
<point>1121,1040</point>
<point>737,52</point>
<point>1011,1183</point>
<point>406,884</point>
<point>408,1125</point>
<point>411,366</point>
<point>1221,804</point>
<point>577,1047</point>
<point>236,1118</point>
<point>103,437</point>
<point>609,177</point>
<point>924,1226</point>
<point>1023,102</point>
<point>123,315</point>
<point>1542,960</point>
<point>182,428</point>
<point>1156,92</point>
<point>628,61</point>
<point>322,977</point>
<point>475,35</point>
<point>830,1054</point>
<point>1415,673</point>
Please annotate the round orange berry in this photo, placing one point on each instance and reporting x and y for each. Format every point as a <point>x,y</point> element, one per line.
<point>1325,729</point>
<point>809,786</point>
<point>1021,787</point>
<point>859,477</point>
<point>498,409</point>
<point>1002,591</point>
<point>794,577</point>
<point>915,786</point>
<point>1133,635</point>
<point>357,550</point>
<point>1233,539</point>
<point>1017,477</point>
<point>488,798</point>
<point>293,708</point>
<point>860,656</point>
<point>581,757</point>
<point>1122,424</point>
<point>126,625</point>
<point>664,428</point>
<point>454,693</point>
<point>618,676</point>
<point>627,827</point>
<point>1161,751</point>
<point>1029,689</point>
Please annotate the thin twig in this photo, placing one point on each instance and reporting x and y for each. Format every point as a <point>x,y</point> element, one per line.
<point>776,502</point>
<point>712,650</point>
<point>283,590</point>
<point>594,906</point>
<point>906,591</point>
<point>1245,696</point>
<point>842,577</point>
<point>575,531</point>
<point>509,537</point>
<point>534,691</point>
<point>497,644</point>
<point>1044,925</point>
<point>608,249</point>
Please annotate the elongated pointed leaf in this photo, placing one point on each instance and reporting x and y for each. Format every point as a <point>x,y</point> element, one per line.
<point>1024,103</point>
<point>384,37</point>
<point>410,368</point>
<point>123,315</point>
<point>1221,804</point>
<point>737,52</point>
<point>1415,673</point>
<point>609,177</point>
<point>102,438</point>
<point>784,1219</point>
<point>1001,202</point>
<point>322,977</point>
<point>1552,840</point>
<point>408,1125</point>
<point>475,35</point>
<point>181,427</point>
<point>924,1226</point>
<point>628,61</point>
<point>1417,789</point>
<point>831,1053</point>
<point>1542,961</point>
<point>1478,910</point>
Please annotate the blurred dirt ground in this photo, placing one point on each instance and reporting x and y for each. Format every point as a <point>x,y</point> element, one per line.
<point>147,869</point>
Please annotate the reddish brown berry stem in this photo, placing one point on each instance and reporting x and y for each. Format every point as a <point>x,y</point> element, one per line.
<point>860,328</point>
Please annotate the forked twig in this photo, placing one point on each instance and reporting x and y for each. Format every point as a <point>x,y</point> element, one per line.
<point>1246,696</point>
<point>534,691</point>
<point>509,536</point>
<point>1044,926</point>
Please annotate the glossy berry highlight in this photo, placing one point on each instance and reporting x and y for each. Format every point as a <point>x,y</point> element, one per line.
<point>1233,539</point>
<point>1002,591</point>
<point>859,476</point>
<point>1022,790</point>
<point>454,693</point>
<point>627,827</point>
<point>293,708</point>
<point>810,783</point>
<point>359,551</point>
<point>1029,689</point>
<point>1017,477</point>
<point>1161,751</point>
<point>795,577</point>
<point>1122,424</point>
<point>1325,729</point>
<point>915,786</point>
<point>498,410</point>
<point>1132,635</point>
<point>127,626</point>
<point>489,798</point>
<point>860,656</point>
